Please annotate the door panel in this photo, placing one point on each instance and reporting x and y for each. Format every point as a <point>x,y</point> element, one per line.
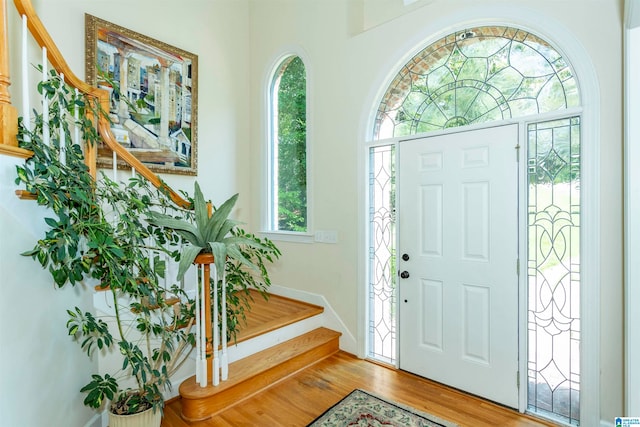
<point>458,224</point>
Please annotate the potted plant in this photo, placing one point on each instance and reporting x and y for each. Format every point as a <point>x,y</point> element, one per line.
<point>239,260</point>
<point>97,236</point>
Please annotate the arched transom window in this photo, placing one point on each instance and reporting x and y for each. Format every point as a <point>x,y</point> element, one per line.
<point>473,76</point>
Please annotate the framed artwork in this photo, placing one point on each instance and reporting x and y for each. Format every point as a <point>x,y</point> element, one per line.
<point>154,96</point>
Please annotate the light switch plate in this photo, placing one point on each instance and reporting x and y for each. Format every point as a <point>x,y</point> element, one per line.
<point>326,236</point>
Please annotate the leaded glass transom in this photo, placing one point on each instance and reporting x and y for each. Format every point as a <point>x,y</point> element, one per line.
<point>474,76</point>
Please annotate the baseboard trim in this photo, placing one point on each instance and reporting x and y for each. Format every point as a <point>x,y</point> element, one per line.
<point>96,421</point>
<point>331,319</point>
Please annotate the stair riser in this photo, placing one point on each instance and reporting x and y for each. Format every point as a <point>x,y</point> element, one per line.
<point>203,408</point>
<point>254,345</point>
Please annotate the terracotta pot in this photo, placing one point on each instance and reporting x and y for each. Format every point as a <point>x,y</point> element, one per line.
<point>204,258</point>
<point>147,418</point>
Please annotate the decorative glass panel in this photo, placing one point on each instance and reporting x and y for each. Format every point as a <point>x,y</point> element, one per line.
<point>474,76</point>
<point>382,269</point>
<point>554,268</point>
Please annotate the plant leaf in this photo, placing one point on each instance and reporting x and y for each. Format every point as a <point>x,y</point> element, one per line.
<point>189,253</point>
<point>200,208</point>
<point>219,251</point>
<point>191,238</point>
<point>218,218</point>
<point>235,253</point>
<point>226,228</point>
<point>239,240</point>
<point>186,228</point>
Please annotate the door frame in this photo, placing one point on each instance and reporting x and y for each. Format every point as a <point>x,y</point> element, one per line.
<point>574,51</point>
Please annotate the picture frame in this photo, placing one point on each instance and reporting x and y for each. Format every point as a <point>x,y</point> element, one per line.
<point>157,120</point>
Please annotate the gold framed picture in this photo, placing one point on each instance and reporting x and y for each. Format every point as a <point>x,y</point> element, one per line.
<point>153,96</point>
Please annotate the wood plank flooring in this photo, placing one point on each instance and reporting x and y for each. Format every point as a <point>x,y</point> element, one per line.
<point>299,399</point>
<point>253,374</point>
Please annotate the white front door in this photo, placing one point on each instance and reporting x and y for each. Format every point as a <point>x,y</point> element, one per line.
<point>457,254</point>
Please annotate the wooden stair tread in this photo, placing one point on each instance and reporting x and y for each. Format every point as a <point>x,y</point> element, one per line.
<point>26,195</point>
<point>257,372</point>
<point>274,313</point>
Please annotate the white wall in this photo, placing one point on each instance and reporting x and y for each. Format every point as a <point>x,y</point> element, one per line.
<point>41,368</point>
<point>347,72</point>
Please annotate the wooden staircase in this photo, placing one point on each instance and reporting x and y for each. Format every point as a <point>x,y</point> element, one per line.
<point>290,341</point>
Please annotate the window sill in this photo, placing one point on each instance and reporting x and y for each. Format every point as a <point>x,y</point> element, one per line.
<point>287,236</point>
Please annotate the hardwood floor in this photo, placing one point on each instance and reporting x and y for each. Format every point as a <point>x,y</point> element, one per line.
<point>299,399</point>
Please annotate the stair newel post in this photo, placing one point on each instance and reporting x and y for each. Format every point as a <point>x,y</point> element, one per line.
<point>205,260</point>
<point>9,117</point>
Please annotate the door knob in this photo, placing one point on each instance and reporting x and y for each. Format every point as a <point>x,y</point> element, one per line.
<point>405,257</point>
<point>404,274</point>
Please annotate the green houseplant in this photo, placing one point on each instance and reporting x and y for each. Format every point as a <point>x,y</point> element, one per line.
<point>240,256</point>
<point>97,235</point>
<point>94,234</point>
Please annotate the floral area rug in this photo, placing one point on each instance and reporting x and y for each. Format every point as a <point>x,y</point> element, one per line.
<point>364,409</point>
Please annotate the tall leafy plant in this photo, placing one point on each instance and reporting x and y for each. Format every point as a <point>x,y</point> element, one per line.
<point>96,234</point>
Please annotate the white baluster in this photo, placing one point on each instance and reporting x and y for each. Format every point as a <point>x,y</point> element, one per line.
<point>115,167</point>
<point>150,254</point>
<point>224,362</point>
<point>63,140</point>
<point>76,116</point>
<point>167,260</point>
<point>203,334</point>
<point>26,113</point>
<point>216,330</point>
<point>199,274</point>
<point>46,132</point>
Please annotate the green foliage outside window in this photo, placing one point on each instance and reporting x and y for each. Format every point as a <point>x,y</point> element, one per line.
<point>291,123</point>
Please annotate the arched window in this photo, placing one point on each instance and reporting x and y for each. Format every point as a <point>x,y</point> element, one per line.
<point>288,147</point>
<point>473,76</point>
<point>481,75</point>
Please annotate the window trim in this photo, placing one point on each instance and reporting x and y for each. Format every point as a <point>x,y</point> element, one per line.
<point>632,206</point>
<point>267,154</point>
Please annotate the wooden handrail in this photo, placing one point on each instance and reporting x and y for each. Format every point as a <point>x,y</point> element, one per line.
<point>104,128</point>
<point>58,62</point>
